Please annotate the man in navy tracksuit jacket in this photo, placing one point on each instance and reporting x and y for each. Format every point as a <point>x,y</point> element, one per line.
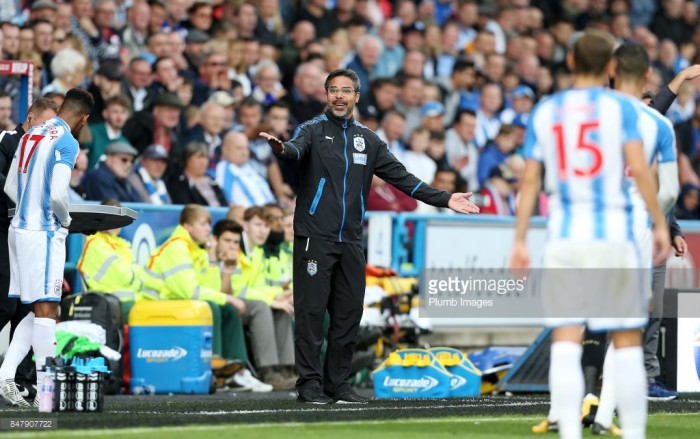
<point>338,157</point>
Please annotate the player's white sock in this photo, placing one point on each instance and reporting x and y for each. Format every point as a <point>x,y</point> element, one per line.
<point>566,387</point>
<point>606,406</point>
<point>44,343</point>
<point>631,396</point>
<point>19,347</point>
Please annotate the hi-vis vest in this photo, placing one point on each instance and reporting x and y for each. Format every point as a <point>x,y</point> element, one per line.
<point>184,268</point>
<point>107,265</point>
<point>278,266</point>
<point>248,281</point>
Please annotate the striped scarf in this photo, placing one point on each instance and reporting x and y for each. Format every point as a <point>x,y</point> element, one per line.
<point>157,194</point>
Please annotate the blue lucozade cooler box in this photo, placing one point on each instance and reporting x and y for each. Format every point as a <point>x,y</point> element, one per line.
<point>171,346</point>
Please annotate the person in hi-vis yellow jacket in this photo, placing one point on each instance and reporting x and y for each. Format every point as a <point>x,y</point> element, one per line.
<point>182,261</point>
<point>107,266</point>
<point>250,284</point>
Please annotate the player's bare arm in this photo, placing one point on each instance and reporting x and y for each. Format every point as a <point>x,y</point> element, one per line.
<point>519,258</point>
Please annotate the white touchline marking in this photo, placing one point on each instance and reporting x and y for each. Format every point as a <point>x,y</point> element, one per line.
<point>142,430</point>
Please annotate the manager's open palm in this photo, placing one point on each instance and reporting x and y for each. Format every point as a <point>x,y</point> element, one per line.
<point>459,202</point>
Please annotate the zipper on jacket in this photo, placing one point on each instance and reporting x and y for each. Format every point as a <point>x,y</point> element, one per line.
<point>345,177</point>
<point>317,197</point>
<point>362,205</point>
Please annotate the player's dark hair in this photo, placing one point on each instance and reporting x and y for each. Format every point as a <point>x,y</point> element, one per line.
<point>78,102</point>
<point>592,53</point>
<point>632,62</point>
<point>226,225</point>
<point>343,72</point>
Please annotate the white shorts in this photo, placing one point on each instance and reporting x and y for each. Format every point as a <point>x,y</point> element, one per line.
<point>598,284</point>
<point>37,260</point>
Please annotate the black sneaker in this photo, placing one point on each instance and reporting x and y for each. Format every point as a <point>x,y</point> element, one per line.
<point>349,396</point>
<point>313,395</point>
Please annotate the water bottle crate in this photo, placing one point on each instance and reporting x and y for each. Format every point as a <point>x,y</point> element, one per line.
<point>79,387</point>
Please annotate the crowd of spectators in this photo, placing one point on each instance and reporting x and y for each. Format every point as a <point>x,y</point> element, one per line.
<point>183,87</point>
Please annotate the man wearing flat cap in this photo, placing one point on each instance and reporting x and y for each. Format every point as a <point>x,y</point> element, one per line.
<point>44,9</point>
<point>109,180</point>
<point>158,126</point>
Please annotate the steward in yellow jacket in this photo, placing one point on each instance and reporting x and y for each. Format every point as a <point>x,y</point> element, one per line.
<point>183,263</point>
<point>107,265</point>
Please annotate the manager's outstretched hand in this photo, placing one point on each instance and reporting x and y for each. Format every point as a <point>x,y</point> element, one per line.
<point>459,202</point>
<point>275,143</point>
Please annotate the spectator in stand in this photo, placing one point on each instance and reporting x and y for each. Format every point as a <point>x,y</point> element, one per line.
<point>250,116</point>
<point>393,126</point>
<point>462,153</point>
<point>10,43</point>
<point>301,100</point>
<point>199,16</point>
<point>463,94</point>
<point>413,65</point>
<point>431,114</point>
<point>266,83</point>
<point>688,204</point>
<point>109,180</point>
<point>383,98</point>
<point>409,103</point>
<point>487,120</point>
<point>315,12</point>
<point>391,58</point>
<point>240,182</point>
<point>193,185</point>
<point>43,40</point>
<point>369,49</point>
<point>106,83</point>
<point>109,36</point>
<point>415,159</point>
<point>147,177</point>
<point>522,101</point>
<point>496,152</point>
<point>437,150</point>
<point>158,126</point>
<point>668,22</point>
<point>84,29</point>
<point>134,34</point>
<point>6,122</point>
<point>76,191</point>
<point>115,114</point>
<point>68,68</point>
<point>136,85</point>
<point>302,33</point>
<point>165,77</point>
<point>499,197</point>
<point>213,76</point>
<point>209,131</point>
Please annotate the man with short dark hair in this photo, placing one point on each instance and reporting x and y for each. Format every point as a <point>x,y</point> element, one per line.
<point>42,165</point>
<point>339,158</point>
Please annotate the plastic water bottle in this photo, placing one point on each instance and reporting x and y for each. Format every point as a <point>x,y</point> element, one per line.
<point>46,392</point>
